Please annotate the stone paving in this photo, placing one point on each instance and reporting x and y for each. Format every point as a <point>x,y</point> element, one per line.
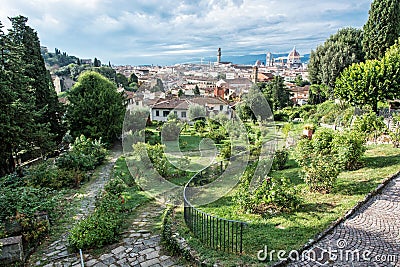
<point>370,237</point>
<point>57,250</point>
<point>140,244</point>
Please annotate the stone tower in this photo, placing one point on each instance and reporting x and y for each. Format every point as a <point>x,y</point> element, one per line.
<point>254,75</point>
<point>219,56</point>
<point>269,60</point>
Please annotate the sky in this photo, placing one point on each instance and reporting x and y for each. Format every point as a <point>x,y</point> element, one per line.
<point>166,32</point>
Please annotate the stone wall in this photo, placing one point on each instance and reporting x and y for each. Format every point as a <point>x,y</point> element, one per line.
<point>11,250</point>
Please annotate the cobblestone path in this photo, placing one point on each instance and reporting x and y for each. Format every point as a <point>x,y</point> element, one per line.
<point>140,244</point>
<point>57,251</point>
<point>370,237</point>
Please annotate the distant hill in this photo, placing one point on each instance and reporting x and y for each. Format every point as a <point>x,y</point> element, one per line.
<point>248,59</point>
<point>58,58</point>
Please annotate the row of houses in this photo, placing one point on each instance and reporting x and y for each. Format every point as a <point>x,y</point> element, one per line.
<point>161,108</point>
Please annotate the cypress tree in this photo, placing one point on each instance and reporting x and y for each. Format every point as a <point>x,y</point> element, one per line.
<point>46,100</point>
<point>382,28</point>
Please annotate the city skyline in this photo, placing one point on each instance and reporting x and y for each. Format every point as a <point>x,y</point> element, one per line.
<point>169,32</point>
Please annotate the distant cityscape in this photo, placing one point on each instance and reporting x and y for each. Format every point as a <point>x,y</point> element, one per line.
<point>222,82</point>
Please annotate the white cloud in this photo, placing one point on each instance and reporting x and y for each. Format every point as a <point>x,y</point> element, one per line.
<point>173,28</point>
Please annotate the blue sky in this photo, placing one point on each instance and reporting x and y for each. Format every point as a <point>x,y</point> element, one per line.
<point>170,31</point>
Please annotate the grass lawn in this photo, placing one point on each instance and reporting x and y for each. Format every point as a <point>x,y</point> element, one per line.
<point>292,230</point>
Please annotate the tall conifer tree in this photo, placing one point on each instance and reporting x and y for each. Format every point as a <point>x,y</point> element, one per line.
<point>382,28</point>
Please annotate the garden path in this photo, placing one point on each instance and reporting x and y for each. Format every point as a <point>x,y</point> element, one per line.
<point>370,237</point>
<point>139,245</point>
<point>57,251</point>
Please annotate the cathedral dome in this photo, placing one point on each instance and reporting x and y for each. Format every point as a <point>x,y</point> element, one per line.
<point>294,56</point>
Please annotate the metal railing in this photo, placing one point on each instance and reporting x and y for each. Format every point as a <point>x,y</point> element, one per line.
<point>217,233</point>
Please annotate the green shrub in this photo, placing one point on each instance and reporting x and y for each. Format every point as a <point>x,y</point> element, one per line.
<point>349,147</point>
<point>99,228</point>
<point>115,186</point>
<point>199,125</point>
<point>281,115</point>
<point>273,195</point>
<point>217,135</point>
<point>225,151</point>
<point>47,175</point>
<point>321,173</point>
<point>85,154</point>
<point>370,124</point>
<point>21,205</point>
<point>280,159</point>
<point>320,165</point>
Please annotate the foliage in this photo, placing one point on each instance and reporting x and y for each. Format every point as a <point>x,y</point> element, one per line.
<point>172,116</point>
<point>370,124</point>
<point>48,175</point>
<point>199,126</point>
<point>281,115</point>
<point>255,105</point>
<point>371,82</point>
<point>96,109</point>
<point>280,159</point>
<point>196,112</point>
<point>217,135</point>
<point>272,195</point>
<point>196,90</point>
<point>225,151</point>
<point>105,224</point>
<point>320,165</point>
<point>382,28</point>
<point>331,113</point>
<point>339,51</point>
<point>121,80</point>
<point>136,119</point>
<point>99,228</point>
<point>170,130</point>
<point>30,114</point>
<point>318,93</point>
<point>58,58</point>
<point>276,93</point>
<point>300,82</point>
<point>349,148</point>
<point>85,154</point>
<point>22,205</point>
<point>395,131</point>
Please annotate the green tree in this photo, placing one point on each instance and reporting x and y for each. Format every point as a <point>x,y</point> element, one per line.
<point>19,127</point>
<point>96,63</point>
<point>196,112</point>
<point>339,51</point>
<point>373,81</point>
<point>276,93</point>
<point>96,109</point>
<point>317,94</point>
<point>133,79</point>
<point>196,90</point>
<point>122,80</point>
<point>181,93</point>
<point>382,28</point>
<point>40,81</point>
<point>300,82</point>
<point>254,105</point>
